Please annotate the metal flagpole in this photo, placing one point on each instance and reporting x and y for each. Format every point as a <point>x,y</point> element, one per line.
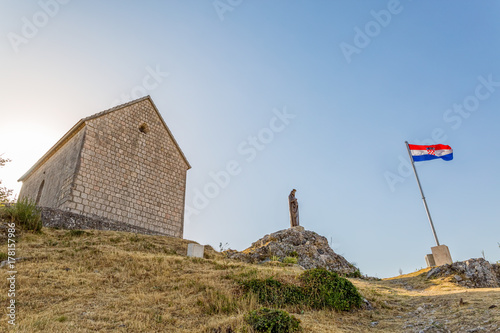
<point>422,192</point>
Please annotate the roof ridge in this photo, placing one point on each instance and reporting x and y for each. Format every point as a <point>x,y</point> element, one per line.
<point>114,108</point>
<point>83,121</point>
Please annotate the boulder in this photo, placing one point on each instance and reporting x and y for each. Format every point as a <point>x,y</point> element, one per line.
<point>472,273</point>
<point>310,249</point>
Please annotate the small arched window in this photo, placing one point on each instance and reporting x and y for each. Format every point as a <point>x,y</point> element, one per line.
<point>144,128</point>
<point>39,195</point>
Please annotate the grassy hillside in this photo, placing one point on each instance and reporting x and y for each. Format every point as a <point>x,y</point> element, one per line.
<point>108,281</point>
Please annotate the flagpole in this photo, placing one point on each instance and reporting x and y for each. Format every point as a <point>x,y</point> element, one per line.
<point>422,192</point>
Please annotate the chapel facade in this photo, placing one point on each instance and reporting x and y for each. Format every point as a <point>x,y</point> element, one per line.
<point>122,164</point>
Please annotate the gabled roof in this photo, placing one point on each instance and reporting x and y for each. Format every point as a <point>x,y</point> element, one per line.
<point>81,123</point>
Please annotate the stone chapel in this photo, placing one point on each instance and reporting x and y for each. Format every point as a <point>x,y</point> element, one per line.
<point>122,164</point>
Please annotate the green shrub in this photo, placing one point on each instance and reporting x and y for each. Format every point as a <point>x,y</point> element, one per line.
<point>134,238</point>
<point>76,233</point>
<point>274,258</point>
<point>290,260</point>
<point>274,293</point>
<point>319,289</point>
<point>25,214</point>
<point>272,321</point>
<point>355,274</point>
<point>329,290</point>
<point>3,256</point>
<point>62,319</point>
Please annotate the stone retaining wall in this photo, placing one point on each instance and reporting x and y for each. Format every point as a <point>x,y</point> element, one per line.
<point>56,218</point>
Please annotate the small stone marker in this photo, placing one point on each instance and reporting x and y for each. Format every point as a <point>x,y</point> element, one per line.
<point>195,250</point>
<point>441,255</point>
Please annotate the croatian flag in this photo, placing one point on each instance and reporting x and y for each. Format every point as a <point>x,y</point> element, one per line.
<point>425,153</point>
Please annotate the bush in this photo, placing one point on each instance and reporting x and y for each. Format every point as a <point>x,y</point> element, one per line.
<point>329,290</point>
<point>274,293</point>
<point>274,258</point>
<point>25,214</point>
<point>290,260</point>
<point>319,289</point>
<point>272,321</point>
<point>76,233</point>
<point>355,274</point>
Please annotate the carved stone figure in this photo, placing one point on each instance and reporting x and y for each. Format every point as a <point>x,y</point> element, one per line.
<point>294,209</point>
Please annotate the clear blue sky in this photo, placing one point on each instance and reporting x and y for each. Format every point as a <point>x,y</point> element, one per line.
<point>354,79</point>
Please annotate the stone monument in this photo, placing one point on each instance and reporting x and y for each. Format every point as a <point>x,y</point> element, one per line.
<point>294,209</point>
<point>195,250</point>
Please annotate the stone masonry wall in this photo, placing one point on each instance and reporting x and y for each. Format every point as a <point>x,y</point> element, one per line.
<point>56,173</point>
<point>129,176</point>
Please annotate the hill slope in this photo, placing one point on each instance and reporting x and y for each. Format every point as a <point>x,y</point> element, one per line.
<point>106,281</point>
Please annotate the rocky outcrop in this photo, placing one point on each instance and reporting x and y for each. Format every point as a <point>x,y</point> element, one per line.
<point>310,249</point>
<point>472,273</point>
<point>496,269</point>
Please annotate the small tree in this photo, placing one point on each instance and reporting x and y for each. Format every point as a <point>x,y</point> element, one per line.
<point>5,193</point>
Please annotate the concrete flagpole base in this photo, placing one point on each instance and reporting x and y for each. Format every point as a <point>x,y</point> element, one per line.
<point>440,256</point>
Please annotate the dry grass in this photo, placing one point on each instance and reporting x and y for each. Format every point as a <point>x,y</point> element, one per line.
<point>120,282</point>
